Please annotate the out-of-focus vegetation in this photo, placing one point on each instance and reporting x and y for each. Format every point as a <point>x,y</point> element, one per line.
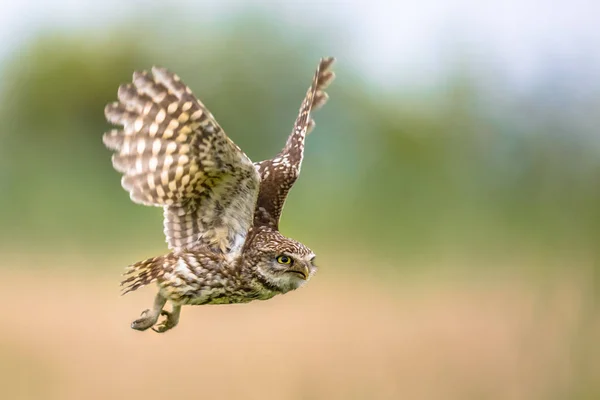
<point>470,166</point>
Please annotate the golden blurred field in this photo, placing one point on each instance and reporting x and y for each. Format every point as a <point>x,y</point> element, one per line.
<point>65,335</point>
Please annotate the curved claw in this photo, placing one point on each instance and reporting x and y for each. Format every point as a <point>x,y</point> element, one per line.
<point>149,317</point>
<point>164,325</point>
<point>161,328</point>
<point>171,320</point>
<point>144,322</point>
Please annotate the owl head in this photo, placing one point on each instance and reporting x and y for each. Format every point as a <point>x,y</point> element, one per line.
<point>280,263</point>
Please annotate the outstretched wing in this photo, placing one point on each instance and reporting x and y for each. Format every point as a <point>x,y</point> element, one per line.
<point>172,153</point>
<point>279,174</point>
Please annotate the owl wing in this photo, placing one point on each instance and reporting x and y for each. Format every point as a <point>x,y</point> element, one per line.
<point>279,174</point>
<point>173,154</point>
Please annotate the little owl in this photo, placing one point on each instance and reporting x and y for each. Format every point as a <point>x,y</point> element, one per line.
<point>221,211</point>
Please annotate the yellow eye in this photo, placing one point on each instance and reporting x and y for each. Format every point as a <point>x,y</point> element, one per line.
<point>284,260</point>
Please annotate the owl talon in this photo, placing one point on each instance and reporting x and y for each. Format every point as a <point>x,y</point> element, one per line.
<point>149,317</point>
<point>141,324</point>
<point>144,322</point>
<point>170,322</point>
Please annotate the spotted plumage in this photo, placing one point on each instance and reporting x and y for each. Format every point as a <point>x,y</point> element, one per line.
<point>221,211</point>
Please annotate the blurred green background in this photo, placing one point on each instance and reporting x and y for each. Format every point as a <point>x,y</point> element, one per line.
<point>464,183</point>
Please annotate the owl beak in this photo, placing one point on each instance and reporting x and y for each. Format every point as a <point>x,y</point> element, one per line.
<point>301,270</point>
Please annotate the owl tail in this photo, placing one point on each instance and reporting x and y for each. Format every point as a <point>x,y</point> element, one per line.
<point>143,273</point>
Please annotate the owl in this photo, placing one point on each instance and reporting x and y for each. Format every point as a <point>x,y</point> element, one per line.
<point>221,210</point>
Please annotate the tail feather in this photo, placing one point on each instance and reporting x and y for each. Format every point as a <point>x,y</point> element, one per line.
<point>143,273</point>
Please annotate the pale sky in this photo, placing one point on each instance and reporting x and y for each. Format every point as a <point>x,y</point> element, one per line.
<point>386,39</point>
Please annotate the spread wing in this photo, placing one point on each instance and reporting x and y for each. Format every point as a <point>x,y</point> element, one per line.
<point>173,154</point>
<point>279,174</point>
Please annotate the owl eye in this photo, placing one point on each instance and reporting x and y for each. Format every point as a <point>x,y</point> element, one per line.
<point>284,260</point>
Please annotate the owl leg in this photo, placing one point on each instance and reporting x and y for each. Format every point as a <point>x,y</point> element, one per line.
<point>171,321</point>
<point>149,317</point>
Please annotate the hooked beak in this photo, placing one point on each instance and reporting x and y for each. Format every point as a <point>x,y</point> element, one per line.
<point>300,269</point>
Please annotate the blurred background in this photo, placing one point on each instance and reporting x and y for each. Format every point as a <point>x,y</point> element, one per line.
<point>450,190</point>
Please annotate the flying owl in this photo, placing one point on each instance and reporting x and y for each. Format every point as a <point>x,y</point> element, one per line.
<point>221,211</point>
